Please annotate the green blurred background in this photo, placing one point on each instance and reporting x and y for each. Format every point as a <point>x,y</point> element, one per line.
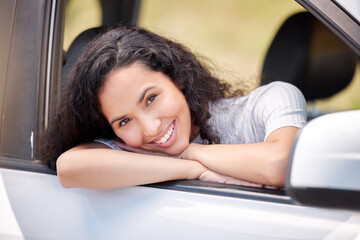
<point>233,34</point>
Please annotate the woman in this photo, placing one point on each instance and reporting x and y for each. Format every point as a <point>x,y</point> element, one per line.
<point>133,90</point>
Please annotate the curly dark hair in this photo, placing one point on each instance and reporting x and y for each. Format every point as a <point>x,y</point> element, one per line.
<point>78,118</point>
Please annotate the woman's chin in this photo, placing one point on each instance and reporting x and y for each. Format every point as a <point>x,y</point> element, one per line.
<point>173,150</point>
<point>178,150</point>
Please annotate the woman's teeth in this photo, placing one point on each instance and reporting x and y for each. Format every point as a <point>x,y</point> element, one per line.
<point>167,135</point>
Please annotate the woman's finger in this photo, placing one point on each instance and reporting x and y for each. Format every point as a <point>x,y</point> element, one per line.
<point>212,176</point>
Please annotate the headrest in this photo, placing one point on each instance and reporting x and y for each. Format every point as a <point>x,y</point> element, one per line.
<point>307,54</point>
<point>76,49</point>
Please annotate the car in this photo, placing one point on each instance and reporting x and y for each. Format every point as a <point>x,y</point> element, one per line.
<point>316,49</point>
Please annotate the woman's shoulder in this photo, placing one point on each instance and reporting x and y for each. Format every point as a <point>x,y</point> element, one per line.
<point>272,94</point>
<point>108,142</point>
<point>277,91</point>
<point>277,86</point>
<point>227,105</point>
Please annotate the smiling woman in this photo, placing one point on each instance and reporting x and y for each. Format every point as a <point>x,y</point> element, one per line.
<point>153,114</point>
<point>138,108</point>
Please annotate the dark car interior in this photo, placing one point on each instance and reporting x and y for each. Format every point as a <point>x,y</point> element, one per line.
<point>307,54</point>
<point>113,13</point>
<point>303,52</point>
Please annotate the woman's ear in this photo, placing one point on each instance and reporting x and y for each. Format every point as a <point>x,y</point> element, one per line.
<point>181,87</point>
<point>178,84</point>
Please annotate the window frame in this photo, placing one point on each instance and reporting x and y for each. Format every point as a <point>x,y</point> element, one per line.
<point>49,85</point>
<point>49,37</point>
<point>336,19</point>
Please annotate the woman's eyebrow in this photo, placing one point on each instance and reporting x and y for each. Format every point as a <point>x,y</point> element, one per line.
<point>141,98</point>
<point>117,119</point>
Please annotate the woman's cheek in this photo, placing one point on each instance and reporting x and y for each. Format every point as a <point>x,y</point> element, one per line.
<point>171,107</point>
<point>131,137</point>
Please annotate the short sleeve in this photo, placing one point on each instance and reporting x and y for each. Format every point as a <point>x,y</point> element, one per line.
<point>281,105</point>
<point>108,142</point>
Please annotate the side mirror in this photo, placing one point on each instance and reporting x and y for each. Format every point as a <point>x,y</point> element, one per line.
<point>324,166</point>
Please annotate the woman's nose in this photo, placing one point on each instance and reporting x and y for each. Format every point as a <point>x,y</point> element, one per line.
<point>150,126</point>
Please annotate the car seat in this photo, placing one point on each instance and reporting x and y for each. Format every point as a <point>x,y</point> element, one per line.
<point>76,49</point>
<point>307,54</point>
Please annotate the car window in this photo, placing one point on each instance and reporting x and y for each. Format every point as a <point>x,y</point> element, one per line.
<point>235,35</point>
<point>6,20</point>
<point>79,16</point>
<point>21,51</point>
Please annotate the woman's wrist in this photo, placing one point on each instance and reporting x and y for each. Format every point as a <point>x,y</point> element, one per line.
<point>196,169</point>
<point>193,152</point>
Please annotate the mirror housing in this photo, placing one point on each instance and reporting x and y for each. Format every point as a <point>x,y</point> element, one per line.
<point>324,164</point>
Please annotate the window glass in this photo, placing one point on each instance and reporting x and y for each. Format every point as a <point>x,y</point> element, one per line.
<point>24,28</point>
<point>347,99</point>
<point>235,35</point>
<point>6,23</point>
<point>79,16</point>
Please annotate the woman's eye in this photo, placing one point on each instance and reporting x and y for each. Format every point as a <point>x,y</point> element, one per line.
<point>150,99</point>
<point>124,122</point>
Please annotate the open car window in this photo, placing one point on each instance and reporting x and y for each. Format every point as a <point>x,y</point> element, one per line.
<point>242,52</point>
<point>238,46</point>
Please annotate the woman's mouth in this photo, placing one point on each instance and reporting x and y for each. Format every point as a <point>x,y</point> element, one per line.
<point>168,137</point>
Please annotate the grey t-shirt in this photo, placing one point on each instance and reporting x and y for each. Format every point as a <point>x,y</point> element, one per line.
<point>252,118</point>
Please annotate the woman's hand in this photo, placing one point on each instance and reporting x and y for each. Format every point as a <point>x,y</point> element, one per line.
<point>189,152</point>
<point>212,176</point>
<point>206,175</point>
<point>263,162</point>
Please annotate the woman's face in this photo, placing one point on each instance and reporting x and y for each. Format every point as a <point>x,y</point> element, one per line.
<point>146,110</point>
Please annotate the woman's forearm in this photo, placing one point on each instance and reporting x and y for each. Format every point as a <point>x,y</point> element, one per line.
<point>107,168</point>
<point>251,162</point>
<point>264,163</point>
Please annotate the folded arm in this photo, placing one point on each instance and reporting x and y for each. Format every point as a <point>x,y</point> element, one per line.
<point>94,165</point>
<point>264,162</point>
